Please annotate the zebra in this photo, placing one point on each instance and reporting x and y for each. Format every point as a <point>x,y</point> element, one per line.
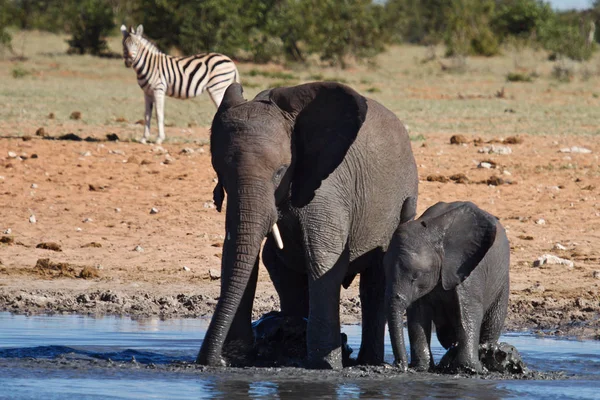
<point>159,74</point>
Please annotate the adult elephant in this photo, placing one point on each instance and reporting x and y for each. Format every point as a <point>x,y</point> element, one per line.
<point>335,172</point>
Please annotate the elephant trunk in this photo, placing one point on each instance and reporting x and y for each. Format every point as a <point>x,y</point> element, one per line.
<point>395,313</point>
<point>249,219</point>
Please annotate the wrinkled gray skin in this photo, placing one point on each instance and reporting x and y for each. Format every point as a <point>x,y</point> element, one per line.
<point>327,165</point>
<point>449,266</point>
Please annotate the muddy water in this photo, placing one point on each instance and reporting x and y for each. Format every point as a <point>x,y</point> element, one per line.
<point>71,357</point>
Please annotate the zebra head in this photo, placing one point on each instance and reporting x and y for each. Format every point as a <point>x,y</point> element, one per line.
<point>131,44</point>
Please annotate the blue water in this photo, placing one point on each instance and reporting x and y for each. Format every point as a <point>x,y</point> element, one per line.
<point>33,351</point>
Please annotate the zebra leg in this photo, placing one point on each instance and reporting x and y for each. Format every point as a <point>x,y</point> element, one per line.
<point>216,95</point>
<point>147,117</point>
<point>159,98</point>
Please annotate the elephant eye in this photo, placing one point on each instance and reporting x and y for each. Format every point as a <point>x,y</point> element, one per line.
<point>279,173</point>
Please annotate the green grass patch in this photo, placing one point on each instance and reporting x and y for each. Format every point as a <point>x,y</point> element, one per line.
<point>373,89</point>
<point>19,72</point>
<point>272,75</point>
<point>417,138</point>
<point>519,77</point>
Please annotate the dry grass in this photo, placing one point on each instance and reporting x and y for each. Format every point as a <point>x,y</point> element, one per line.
<point>425,94</point>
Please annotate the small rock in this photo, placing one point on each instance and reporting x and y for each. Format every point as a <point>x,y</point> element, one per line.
<point>187,150</point>
<point>12,154</point>
<point>505,172</point>
<point>575,149</point>
<point>558,246</point>
<point>541,221</point>
<point>458,139</point>
<point>32,219</point>
<point>484,164</point>
<point>494,181</point>
<point>133,160</point>
<point>76,115</point>
<point>138,248</point>
<point>215,180</point>
<point>596,274</point>
<point>51,115</point>
<point>9,240</point>
<point>86,220</point>
<point>117,210</point>
<point>89,273</point>
<point>92,244</point>
<point>86,153</point>
<point>201,150</point>
<point>41,132</point>
<point>49,246</point>
<point>78,230</point>
<point>154,210</point>
<point>552,260</point>
<point>8,231</point>
<point>525,237</point>
<point>513,139</point>
<point>495,150</point>
<point>209,205</point>
<point>214,274</point>
<point>26,138</point>
<point>119,152</point>
<point>459,178</point>
<point>112,137</point>
<point>186,268</point>
<point>536,288</point>
<point>34,186</point>
<point>437,178</point>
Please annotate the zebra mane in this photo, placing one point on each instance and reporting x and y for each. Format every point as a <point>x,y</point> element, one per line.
<point>150,45</point>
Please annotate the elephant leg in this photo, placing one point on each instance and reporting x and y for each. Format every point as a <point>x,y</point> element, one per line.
<point>419,318</point>
<point>493,322</point>
<point>468,331</point>
<point>291,286</point>
<point>372,299</point>
<point>239,343</point>
<point>323,339</point>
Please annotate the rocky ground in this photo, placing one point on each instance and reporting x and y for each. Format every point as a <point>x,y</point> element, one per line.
<point>105,227</point>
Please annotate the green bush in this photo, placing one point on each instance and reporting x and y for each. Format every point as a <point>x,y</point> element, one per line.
<point>519,77</point>
<point>6,12</point>
<point>468,31</point>
<point>91,22</point>
<point>522,18</point>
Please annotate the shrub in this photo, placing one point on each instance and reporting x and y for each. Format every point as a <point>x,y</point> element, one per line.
<point>522,18</point>
<point>19,72</point>
<point>92,20</point>
<point>519,77</point>
<point>468,31</point>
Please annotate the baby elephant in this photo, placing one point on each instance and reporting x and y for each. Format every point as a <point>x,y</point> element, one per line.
<point>449,267</point>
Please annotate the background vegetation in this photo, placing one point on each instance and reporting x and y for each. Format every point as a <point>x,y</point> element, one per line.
<point>332,31</point>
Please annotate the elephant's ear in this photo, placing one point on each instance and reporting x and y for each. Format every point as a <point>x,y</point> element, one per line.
<point>234,95</point>
<point>218,195</point>
<point>327,117</point>
<point>467,233</point>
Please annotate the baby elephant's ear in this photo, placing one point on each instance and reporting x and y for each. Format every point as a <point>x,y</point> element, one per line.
<point>218,196</point>
<point>468,234</point>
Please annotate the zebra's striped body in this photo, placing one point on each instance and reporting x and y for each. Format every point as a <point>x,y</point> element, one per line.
<point>159,74</point>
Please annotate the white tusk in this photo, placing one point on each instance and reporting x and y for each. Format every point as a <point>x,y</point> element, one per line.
<point>277,236</point>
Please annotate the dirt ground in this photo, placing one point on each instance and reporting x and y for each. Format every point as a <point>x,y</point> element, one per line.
<point>141,218</point>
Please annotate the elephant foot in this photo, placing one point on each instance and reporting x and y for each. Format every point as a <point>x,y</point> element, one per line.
<point>333,360</point>
<point>453,362</point>
<point>420,366</point>
<point>239,353</point>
